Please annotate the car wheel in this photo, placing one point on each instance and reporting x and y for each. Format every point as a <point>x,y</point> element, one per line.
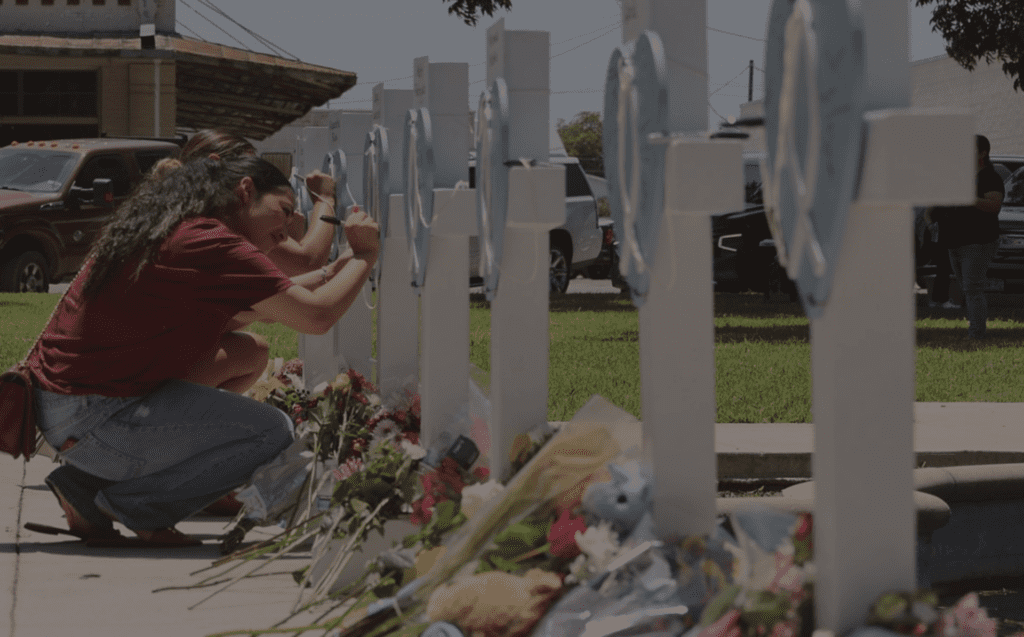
<point>26,273</point>
<point>559,270</point>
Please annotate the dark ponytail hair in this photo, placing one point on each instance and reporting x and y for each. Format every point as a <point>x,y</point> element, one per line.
<point>201,188</point>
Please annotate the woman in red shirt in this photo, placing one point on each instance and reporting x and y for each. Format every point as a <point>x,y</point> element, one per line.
<point>180,259</point>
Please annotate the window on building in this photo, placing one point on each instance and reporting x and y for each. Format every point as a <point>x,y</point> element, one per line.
<point>20,1</point>
<point>99,1</point>
<point>47,2</point>
<point>58,93</point>
<point>124,3</point>
<point>8,93</point>
<point>72,2</point>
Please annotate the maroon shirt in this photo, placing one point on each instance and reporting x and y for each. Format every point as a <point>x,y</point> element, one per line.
<point>135,335</point>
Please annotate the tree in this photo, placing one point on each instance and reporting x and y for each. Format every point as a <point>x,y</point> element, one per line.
<point>467,9</point>
<point>982,29</point>
<point>582,139</point>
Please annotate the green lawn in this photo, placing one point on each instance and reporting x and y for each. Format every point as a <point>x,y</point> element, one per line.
<point>762,353</point>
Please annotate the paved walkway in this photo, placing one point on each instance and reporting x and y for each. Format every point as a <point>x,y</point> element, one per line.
<point>53,585</point>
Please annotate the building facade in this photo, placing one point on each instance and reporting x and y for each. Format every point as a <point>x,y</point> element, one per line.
<point>90,68</point>
<point>986,92</point>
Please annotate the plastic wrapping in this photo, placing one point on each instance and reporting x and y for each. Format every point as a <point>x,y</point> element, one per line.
<point>276,487</point>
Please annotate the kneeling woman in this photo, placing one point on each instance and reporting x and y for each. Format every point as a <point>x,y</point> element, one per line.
<point>179,259</point>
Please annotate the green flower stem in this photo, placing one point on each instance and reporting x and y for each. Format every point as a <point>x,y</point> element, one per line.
<point>540,550</point>
<point>305,536</point>
<point>346,554</point>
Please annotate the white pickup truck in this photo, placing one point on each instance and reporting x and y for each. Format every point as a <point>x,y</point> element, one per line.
<point>574,245</point>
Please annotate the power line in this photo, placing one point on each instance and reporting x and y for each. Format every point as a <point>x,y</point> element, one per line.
<point>738,35</point>
<point>614,25</point>
<point>217,26</point>
<point>196,35</point>
<point>745,69</point>
<point>584,43</point>
<point>259,38</point>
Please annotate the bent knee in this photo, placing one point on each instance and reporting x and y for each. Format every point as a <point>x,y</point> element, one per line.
<point>249,350</point>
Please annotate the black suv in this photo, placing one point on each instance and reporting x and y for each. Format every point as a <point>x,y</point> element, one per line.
<point>55,196</point>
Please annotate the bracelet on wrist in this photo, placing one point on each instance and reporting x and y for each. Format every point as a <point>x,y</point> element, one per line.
<point>323,274</point>
<point>330,219</point>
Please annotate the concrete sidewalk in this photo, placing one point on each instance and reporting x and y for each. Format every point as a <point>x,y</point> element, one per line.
<point>54,585</point>
<point>945,435</point>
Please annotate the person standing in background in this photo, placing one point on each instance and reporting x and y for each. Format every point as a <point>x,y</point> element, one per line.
<point>971,234</point>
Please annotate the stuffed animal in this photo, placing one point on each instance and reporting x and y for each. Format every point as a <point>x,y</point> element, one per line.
<point>622,502</point>
<point>495,604</point>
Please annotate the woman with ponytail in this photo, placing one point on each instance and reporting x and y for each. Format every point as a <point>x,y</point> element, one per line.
<point>127,367</point>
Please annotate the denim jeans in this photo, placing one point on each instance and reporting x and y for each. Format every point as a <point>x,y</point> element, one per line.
<point>970,267</point>
<point>167,454</point>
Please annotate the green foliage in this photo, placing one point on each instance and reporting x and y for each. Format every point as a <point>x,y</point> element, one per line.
<point>446,518</point>
<point>518,547</point>
<point>468,9</point>
<point>582,139</point>
<point>977,30</point>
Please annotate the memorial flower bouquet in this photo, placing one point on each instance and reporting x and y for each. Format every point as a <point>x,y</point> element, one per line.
<point>919,614</point>
<point>772,589</point>
<point>352,468</point>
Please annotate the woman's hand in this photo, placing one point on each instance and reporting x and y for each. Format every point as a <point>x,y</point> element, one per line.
<point>362,233</point>
<point>321,186</point>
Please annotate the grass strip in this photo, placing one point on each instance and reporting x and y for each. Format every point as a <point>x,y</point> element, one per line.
<point>762,352</point>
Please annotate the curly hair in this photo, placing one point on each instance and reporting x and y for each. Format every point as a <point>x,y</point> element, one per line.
<point>201,188</point>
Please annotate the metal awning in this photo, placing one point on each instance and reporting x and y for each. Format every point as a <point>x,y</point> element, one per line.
<point>251,94</point>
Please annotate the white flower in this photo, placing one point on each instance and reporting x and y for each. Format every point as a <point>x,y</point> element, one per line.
<point>578,569</point>
<point>296,381</point>
<point>599,544</point>
<point>319,389</point>
<point>385,432</point>
<point>413,450</point>
<point>475,496</point>
<point>386,428</point>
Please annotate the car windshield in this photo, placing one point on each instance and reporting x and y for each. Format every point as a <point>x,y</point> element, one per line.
<point>1015,189</point>
<point>35,171</point>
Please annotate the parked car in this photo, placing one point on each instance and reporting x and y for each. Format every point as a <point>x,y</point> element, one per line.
<point>576,244</point>
<point>1006,273</point>
<point>608,258</point>
<point>743,248</point>
<point>55,196</point>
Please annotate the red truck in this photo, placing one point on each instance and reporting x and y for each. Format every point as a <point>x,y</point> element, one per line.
<point>55,196</point>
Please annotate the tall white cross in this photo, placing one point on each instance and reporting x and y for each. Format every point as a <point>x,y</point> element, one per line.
<point>443,89</point>
<point>862,331</point>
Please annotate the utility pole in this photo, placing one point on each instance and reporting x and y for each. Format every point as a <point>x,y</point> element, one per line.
<point>750,83</point>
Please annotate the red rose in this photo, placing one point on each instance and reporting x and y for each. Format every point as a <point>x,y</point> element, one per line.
<point>562,535</point>
<point>448,474</point>
<point>482,473</point>
<point>803,529</point>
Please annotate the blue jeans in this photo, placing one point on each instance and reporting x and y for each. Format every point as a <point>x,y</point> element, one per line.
<point>970,267</point>
<point>167,454</point>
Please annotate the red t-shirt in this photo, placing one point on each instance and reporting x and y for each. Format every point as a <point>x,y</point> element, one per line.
<point>135,335</point>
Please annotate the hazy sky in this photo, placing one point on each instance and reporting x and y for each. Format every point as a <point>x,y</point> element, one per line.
<point>378,39</point>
